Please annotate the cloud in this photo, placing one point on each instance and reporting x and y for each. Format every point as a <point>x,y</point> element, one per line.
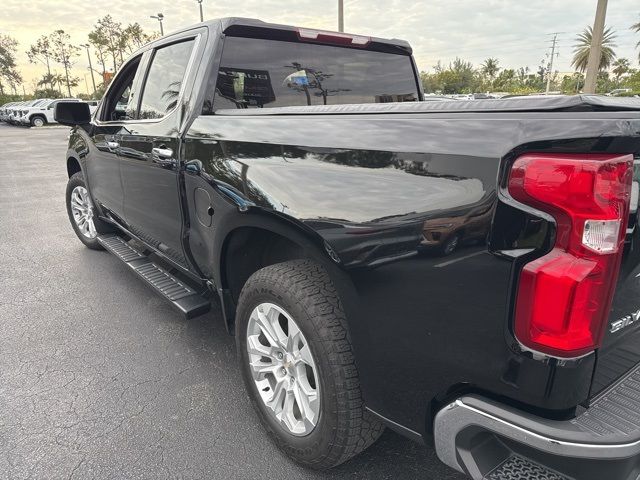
<point>514,31</point>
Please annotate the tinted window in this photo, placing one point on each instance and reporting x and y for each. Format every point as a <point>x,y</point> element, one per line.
<point>162,89</point>
<point>270,73</point>
<point>121,101</point>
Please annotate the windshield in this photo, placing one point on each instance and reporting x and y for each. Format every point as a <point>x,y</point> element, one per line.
<point>269,73</point>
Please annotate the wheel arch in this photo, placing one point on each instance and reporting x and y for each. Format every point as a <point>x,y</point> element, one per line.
<point>38,115</point>
<point>73,166</point>
<point>256,241</point>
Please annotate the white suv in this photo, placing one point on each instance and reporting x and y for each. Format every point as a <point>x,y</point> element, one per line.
<point>41,114</point>
<point>21,111</point>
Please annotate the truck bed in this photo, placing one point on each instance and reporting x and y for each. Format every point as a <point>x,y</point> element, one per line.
<point>561,103</point>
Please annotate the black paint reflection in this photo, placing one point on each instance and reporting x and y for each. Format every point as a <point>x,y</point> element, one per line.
<point>372,207</point>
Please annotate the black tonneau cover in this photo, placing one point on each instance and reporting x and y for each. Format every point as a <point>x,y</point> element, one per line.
<point>588,103</point>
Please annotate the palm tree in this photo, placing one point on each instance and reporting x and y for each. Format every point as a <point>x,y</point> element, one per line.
<point>57,79</point>
<point>621,67</point>
<point>490,68</point>
<point>581,50</point>
<point>636,27</point>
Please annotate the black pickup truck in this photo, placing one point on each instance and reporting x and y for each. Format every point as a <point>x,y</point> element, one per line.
<point>466,273</point>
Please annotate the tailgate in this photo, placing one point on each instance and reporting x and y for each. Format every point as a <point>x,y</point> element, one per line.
<point>620,350</point>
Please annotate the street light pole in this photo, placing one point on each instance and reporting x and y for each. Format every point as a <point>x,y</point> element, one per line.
<point>341,15</point>
<point>595,52</point>
<point>159,17</point>
<point>200,5</point>
<point>93,80</point>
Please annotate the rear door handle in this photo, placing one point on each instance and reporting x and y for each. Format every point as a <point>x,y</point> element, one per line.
<point>107,146</point>
<point>163,157</point>
<point>162,153</point>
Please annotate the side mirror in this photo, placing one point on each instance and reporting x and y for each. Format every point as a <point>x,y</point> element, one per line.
<point>72,113</point>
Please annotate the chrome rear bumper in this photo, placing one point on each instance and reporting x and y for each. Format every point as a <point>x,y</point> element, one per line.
<point>476,436</point>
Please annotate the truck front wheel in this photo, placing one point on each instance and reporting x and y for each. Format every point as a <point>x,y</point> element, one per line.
<point>38,121</point>
<point>298,365</point>
<point>85,223</point>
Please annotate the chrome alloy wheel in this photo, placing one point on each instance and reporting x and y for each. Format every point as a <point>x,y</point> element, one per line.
<point>283,369</point>
<point>82,210</point>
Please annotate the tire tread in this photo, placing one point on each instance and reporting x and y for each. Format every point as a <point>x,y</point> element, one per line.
<point>308,281</point>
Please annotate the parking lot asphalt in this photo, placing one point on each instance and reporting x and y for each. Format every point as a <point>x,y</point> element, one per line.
<point>100,378</point>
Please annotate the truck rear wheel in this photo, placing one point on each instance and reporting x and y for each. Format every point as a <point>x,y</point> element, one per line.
<point>298,365</point>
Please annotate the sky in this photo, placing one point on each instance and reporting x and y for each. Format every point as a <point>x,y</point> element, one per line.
<point>516,32</point>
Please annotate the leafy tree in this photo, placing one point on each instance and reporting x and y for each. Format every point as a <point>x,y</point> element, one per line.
<point>57,79</point>
<point>490,68</point>
<point>46,93</point>
<point>64,53</point>
<point>107,37</point>
<point>506,80</point>
<point>604,83</point>
<point>134,37</point>
<point>572,84</point>
<point>459,77</point>
<point>621,67</point>
<point>636,27</point>
<point>99,44</point>
<point>583,45</point>
<point>42,52</point>
<point>8,69</point>
<point>113,42</point>
<point>633,81</point>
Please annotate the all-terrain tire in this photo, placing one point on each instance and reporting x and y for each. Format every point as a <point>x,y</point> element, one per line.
<point>77,180</point>
<point>344,427</point>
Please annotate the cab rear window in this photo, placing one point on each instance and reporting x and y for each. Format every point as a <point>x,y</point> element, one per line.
<point>269,73</point>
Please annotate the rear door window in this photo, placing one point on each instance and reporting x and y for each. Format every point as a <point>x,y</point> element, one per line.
<point>269,73</point>
<point>164,80</point>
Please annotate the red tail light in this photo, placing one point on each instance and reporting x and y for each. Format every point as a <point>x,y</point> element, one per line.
<point>564,297</point>
<point>333,38</point>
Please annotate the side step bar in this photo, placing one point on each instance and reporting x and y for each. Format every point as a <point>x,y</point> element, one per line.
<point>187,300</point>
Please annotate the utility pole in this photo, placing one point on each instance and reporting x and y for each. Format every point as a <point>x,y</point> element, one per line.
<point>553,56</point>
<point>595,52</point>
<point>93,80</point>
<point>200,5</point>
<point>159,17</point>
<point>341,15</point>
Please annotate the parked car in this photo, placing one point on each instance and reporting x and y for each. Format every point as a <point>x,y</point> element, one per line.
<point>3,110</point>
<point>446,234</point>
<point>40,114</point>
<point>8,110</point>
<point>619,91</point>
<point>223,170</point>
<point>18,111</point>
<point>437,98</point>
